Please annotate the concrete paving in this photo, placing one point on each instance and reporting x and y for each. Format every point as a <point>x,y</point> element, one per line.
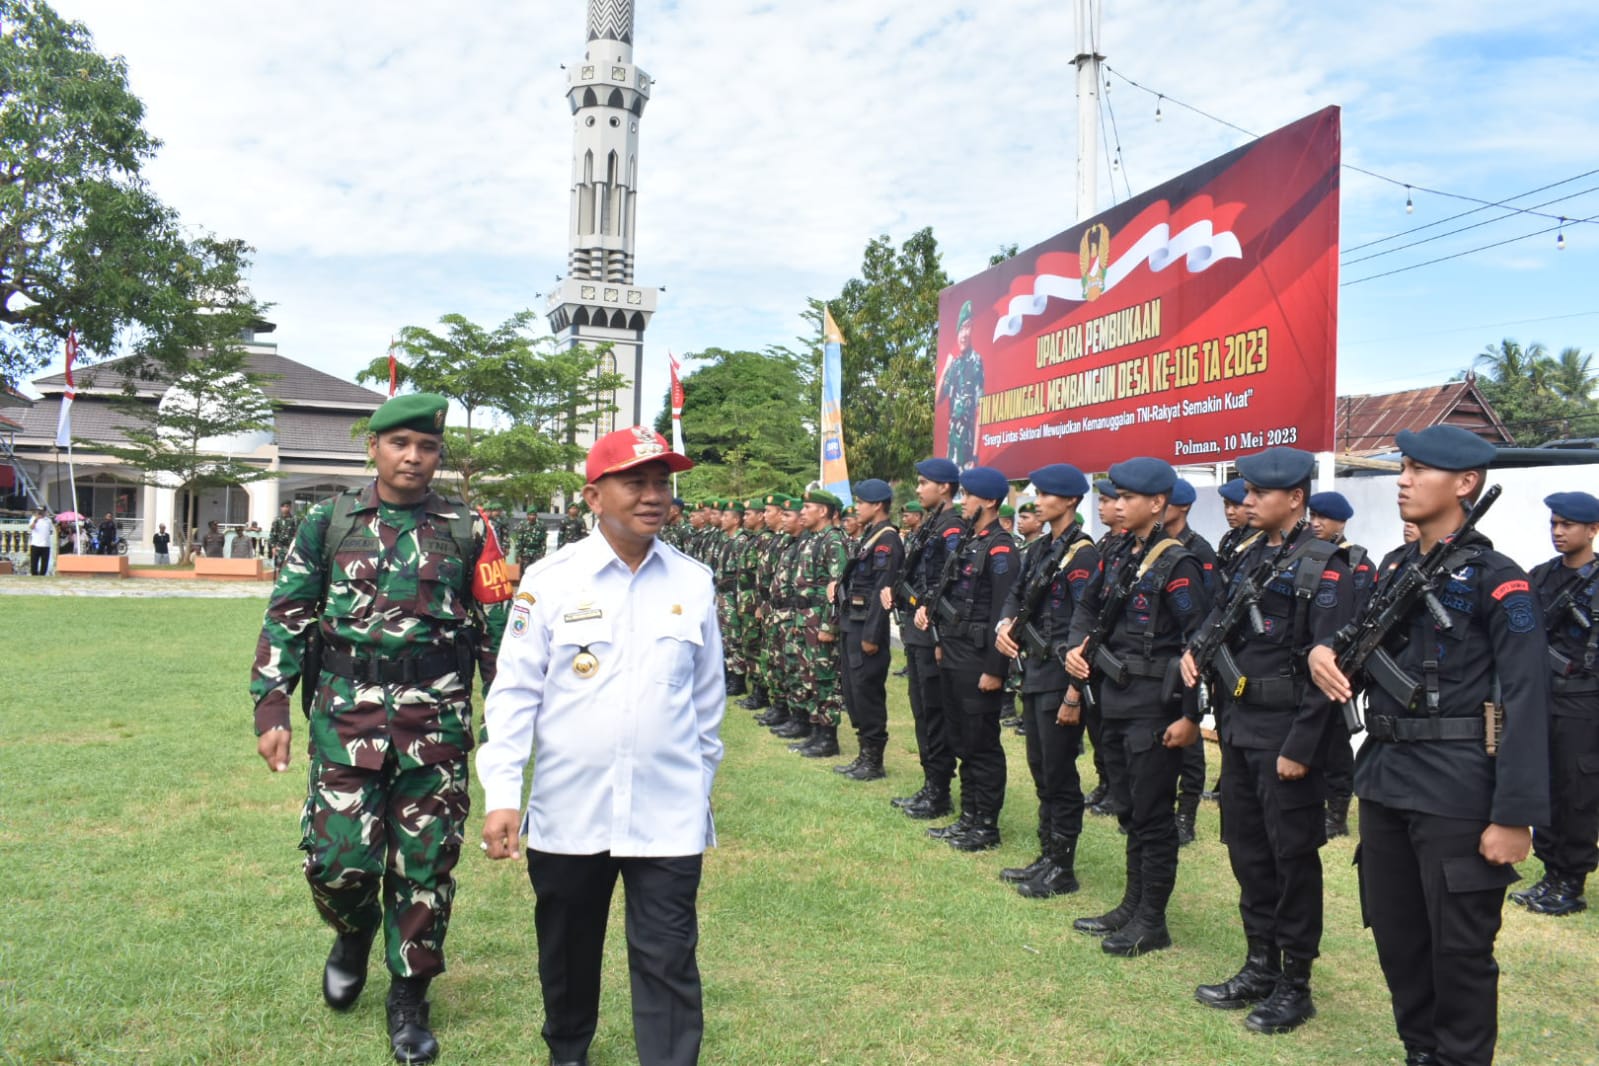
<point>23,585</point>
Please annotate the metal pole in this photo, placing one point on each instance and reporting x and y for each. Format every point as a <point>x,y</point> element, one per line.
<point>1087,61</point>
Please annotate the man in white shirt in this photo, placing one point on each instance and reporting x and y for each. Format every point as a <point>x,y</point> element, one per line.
<point>612,669</point>
<point>41,535</point>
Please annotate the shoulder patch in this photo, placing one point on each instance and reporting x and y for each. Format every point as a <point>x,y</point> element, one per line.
<point>1327,591</point>
<point>1520,616</point>
<point>1509,587</point>
<point>999,548</point>
<point>1180,583</point>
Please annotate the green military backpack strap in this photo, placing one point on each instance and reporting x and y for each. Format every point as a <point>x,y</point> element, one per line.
<point>342,523</point>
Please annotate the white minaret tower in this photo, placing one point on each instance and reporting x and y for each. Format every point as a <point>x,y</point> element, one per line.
<point>597,300</point>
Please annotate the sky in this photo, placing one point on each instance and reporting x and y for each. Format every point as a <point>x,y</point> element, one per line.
<point>394,162</point>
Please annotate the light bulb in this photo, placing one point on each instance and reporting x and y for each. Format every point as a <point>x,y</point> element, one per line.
<point>1158,99</point>
<point>1410,205</point>
<point>1560,236</point>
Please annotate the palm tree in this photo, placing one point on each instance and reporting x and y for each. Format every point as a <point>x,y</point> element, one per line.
<point>1571,376</point>
<point>1508,362</point>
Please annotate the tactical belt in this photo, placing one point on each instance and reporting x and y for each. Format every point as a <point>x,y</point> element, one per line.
<point>1408,730</point>
<point>1274,692</point>
<point>408,671</point>
<point>1575,686</point>
<point>1121,670</point>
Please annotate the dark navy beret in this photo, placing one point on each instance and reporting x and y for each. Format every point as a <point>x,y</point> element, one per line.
<point>873,490</point>
<point>677,501</point>
<point>940,470</point>
<point>1182,493</point>
<point>1233,491</point>
<point>1574,506</point>
<point>1277,468</point>
<point>1332,505</point>
<point>1106,488</point>
<point>1144,475</point>
<point>985,483</point>
<point>1060,479</point>
<point>1446,448</point>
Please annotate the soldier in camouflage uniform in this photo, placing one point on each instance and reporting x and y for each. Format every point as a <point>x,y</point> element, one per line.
<point>502,527</point>
<point>531,542</point>
<point>816,632</point>
<point>729,560</point>
<point>770,551</point>
<point>782,673</point>
<point>750,544</point>
<point>573,528</point>
<point>281,535</point>
<point>675,531</point>
<point>962,388</point>
<point>381,611</point>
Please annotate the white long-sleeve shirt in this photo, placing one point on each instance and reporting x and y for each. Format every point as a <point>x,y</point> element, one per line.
<point>625,756</point>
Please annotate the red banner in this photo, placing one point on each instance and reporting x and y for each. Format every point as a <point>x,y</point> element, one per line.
<point>1196,322</point>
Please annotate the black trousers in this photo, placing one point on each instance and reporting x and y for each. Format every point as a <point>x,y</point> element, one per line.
<point>1566,844</point>
<point>1052,751</point>
<point>1433,905</point>
<point>1274,829</point>
<point>973,719</point>
<point>38,560</point>
<point>1091,724</point>
<point>1191,778</point>
<point>1143,778</point>
<point>572,896</point>
<point>864,679</point>
<point>1340,764</point>
<point>927,710</point>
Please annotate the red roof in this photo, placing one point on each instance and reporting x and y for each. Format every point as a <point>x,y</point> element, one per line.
<point>1366,425</point>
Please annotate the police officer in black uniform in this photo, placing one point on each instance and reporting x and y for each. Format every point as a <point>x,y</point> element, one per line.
<point>1568,589</point>
<point>1329,513</point>
<point>962,614</point>
<point>1239,532</point>
<point>1191,781</point>
<point>863,667</point>
<point>1099,801</point>
<point>1442,820</point>
<point>939,534</point>
<point>1274,737</point>
<point>1149,716</point>
<point>1056,570</point>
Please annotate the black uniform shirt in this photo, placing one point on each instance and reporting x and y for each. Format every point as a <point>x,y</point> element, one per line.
<point>1576,683</point>
<point>1042,561</point>
<point>873,566</point>
<point>1296,731</point>
<point>1200,549</point>
<point>1157,621</point>
<point>984,574</point>
<point>1497,629</point>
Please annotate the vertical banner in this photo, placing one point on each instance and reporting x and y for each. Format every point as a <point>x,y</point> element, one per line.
<point>835,472</point>
<point>1196,322</point>
<point>70,393</point>
<point>677,404</point>
<point>394,370</point>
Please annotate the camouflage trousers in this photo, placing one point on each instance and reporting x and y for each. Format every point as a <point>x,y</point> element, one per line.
<point>813,663</point>
<point>772,670</point>
<point>727,615</point>
<point>750,629</point>
<point>380,847</point>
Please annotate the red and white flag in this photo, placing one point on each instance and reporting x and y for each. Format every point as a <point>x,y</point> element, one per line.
<point>677,405</point>
<point>64,421</point>
<point>394,370</point>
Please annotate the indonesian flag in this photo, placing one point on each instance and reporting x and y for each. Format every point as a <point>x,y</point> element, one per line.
<point>677,405</point>
<point>491,579</point>
<point>64,421</point>
<point>394,370</point>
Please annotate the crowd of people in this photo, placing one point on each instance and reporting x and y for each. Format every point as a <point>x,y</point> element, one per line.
<point>1478,690</point>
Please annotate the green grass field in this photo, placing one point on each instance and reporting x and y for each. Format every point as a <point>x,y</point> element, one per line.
<point>154,910</point>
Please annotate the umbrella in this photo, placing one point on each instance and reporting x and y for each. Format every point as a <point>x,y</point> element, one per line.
<point>69,516</point>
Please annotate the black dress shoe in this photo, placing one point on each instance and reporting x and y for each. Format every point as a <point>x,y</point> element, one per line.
<point>345,973</point>
<point>584,1061</point>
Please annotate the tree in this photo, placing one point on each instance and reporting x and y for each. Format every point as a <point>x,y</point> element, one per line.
<point>745,423</point>
<point>1539,398</point>
<point>1571,376</point>
<point>84,244</point>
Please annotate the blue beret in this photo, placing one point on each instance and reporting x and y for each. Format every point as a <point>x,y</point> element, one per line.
<point>1277,468</point>
<point>1182,493</point>
<point>985,483</point>
<point>1574,506</point>
<point>1060,479</point>
<point>1233,491</point>
<point>1144,475</point>
<point>941,470</point>
<point>1446,448</point>
<point>1106,488</point>
<point>1333,505</point>
<point>873,490</point>
<point>677,501</point>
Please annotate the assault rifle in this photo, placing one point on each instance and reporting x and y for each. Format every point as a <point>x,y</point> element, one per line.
<point>905,597</point>
<point>1566,603</point>
<point>1099,658</point>
<point>1209,647</point>
<point>939,609</point>
<point>1024,629</point>
<point>1359,645</point>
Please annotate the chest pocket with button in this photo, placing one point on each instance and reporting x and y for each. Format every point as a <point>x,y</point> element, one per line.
<point>674,645</point>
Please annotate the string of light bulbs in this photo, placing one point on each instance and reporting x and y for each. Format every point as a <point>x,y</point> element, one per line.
<point>1559,229</point>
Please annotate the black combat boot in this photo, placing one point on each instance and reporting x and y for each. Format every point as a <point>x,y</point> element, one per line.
<point>1015,875</point>
<point>934,804</point>
<point>1187,809</point>
<point>1337,817</point>
<point>981,835</point>
<point>811,736</point>
<point>1097,796</point>
<point>955,828</point>
<point>871,767</point>
<point>1058,878</point>
<point>1525,896</point>
<point>798,725</point>
<point>826,745</point>
<point>756,700</point>
<point>1117,917</point>
<point>409,1036</point>
<point>1289,1006</point>
<point>914,798</point>
<point>345,973</point>
<point>1563,897</point>
<point>1420,1056</point>
<point>1251,984</point>
<point>735,685</point>
<point>1147,931</point>
<point>850,767</point>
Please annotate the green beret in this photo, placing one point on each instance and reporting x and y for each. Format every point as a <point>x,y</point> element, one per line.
<point>965,315</point>
<point>1007,511</point>
<point>849,512</point>
<point>773,499</point>
<point>420,411</point>
<point>754,503</point>
<point>823,497</point>
<point>1028,508</point>
<point>792,503</point>
<point>914,507</point>
<point>736,506</point>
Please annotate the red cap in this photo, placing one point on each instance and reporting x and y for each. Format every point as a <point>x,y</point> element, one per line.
<point>627,448</point>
